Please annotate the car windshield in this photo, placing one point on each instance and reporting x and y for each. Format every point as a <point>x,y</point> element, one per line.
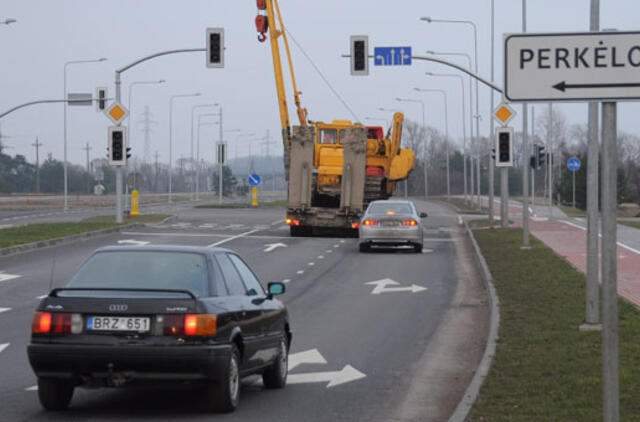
<point>144,270</point>
<point>390,208</point>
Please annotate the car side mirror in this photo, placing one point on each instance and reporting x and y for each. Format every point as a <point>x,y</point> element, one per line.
<point>423,215</point>
<point>275,289</point>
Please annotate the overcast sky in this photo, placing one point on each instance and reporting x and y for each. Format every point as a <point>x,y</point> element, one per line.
<point>51,32</point>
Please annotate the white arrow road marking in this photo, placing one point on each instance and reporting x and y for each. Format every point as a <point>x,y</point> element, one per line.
<point>4,346</point>
<point>347,374</point>
<point>133,242</point>
<point>308,356</point>
<point>6,277</point>
<point>34,388</point>
<point>381,287</point>
<point>4,310</point>
<point>272,246</point>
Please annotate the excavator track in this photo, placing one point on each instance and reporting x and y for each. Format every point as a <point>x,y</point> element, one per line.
<point>373,189</point>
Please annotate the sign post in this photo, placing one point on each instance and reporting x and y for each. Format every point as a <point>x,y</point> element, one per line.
<point>135,196</point>
<point>254,181</point>
<point>574,165</point>
<point>503,114</point>
<point>221,157</point>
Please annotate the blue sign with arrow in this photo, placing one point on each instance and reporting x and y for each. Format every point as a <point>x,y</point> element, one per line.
<point>254,179</point>
<point>392,56</point>
<point>574,164</point>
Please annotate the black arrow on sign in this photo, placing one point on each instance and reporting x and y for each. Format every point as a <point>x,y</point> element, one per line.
<point>563,86</point>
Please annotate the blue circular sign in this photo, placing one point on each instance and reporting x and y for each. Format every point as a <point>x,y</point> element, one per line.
<point>574,164</point>
<point>254,179</point>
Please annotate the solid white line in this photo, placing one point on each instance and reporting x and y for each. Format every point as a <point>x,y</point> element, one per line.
<point>622,245</point>
<point>232,238</point>
<point>34,388</point>
<point>4,310</point>
<point>200,235</point>
<point>4,346</point>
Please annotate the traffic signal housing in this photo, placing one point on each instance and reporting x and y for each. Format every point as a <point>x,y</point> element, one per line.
<point>359,55</point>
<point>215,47</point>
<point>541,156</point>
<point>118,151</point>
<point>504,147</point>
<point>101,97</point>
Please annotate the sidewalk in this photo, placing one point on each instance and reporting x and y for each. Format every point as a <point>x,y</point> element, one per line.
<point>568,238</point>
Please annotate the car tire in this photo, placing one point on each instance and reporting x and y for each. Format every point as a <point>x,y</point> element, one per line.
<point>224,395</point>
<point>417,248</point>
<point>276,375</point>
<point>364,247</point>
<point>54,394</point>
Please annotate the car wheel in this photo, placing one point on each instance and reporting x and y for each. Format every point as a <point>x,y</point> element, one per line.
<point>276,375</point>
<point>417,248</point>
<point>224,395</point>
<point>54,394</point>
<point>364,247</point>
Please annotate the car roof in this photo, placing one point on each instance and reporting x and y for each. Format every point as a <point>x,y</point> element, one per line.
<point>391,201</point>
<point>162,248</point>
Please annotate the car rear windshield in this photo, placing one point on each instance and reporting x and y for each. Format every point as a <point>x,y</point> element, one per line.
<point>390,207</point>
<point>143,270</point>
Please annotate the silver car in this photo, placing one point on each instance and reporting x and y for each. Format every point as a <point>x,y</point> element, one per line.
<point>391,223</point>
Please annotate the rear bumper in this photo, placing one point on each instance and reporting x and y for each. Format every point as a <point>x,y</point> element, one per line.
<point>391,236</point>
<point>132,362</point>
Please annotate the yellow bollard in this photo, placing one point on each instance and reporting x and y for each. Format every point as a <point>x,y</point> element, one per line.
<point>134,202</point>
<point>254,196</point>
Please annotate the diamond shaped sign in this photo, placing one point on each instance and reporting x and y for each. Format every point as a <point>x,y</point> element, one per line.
<point>116,112</point>
<point>504,114</point>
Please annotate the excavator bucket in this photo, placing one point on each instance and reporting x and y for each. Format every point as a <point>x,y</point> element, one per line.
<point>301,167</point>
<point>354,170</point>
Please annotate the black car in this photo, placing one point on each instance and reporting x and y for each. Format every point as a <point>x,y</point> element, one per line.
<point>153,314</point>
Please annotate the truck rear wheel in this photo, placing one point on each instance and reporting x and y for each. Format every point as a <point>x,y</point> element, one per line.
<point>299,231</point>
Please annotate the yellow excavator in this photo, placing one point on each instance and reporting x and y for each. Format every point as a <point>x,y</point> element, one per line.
<point>333,169</point>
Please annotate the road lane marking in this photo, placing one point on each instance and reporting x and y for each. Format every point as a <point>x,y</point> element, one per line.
<point>329,251</point>
<point>133,242</point>
<point>342,241</point>
<point>200,235</point>
<point>272,246</point>
<point>275,223</point>
<point>308,356</point>
<point>4,310</point>
<point>381,287</point>
<point>622,245</point>
<point>320,256</point>
<point>459,220</point>
<point>286,280</point>
<point>300,272</point>
<point>336,246</point>
<point>41,297</point>
<point>4,346</point>
<point>311,264</point>
<point>34,388</point>
<point>7,277</point>
<point>232,238</point>
<point>347,374</point>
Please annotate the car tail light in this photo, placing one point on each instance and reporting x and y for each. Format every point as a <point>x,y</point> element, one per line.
<point>189,325</point>
<point>61,323</point>
<point>292,222</point>
<point>355,225</point>
<point>368,222</point>
<point>410,223</point>
<point>41,323</point>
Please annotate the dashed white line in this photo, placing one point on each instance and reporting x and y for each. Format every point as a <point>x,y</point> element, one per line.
<point>329,251</point>
<point>41,297</point>
<point>4,310</point>
<point>4,346</point>
<point>336,246</point>
<point>320,256</point>
<point>311,264</point>
<point>286,280</point>
<point>342,241</point>
<point>300,272</point>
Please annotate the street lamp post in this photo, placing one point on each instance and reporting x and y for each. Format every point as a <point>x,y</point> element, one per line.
<point>464,125</point>
<point>424,140</point>
<point>395,110</point>
<point>200,124</point>
<point>193,110</point>
<point>66,163</point>
<point>446,130</point>
<point>379,119</point>
<point>173,97</point>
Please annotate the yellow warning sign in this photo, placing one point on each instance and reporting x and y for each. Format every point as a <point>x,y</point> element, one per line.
<point>116,113</point>
<point>504,114</point>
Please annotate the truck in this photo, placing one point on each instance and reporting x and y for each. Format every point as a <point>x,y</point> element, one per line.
<point>333,170</point>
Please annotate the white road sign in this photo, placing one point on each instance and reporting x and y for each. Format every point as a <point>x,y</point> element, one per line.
<point>584,66</point>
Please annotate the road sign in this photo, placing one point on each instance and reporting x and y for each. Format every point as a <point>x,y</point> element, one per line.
<point>80,99</point>
<point>504,114</point>
<point>392,56</point>
<point>221,154</point>
<point>116,112</point>
<point>581,66</point>
<point>254,179</point>
<point>574,164</point>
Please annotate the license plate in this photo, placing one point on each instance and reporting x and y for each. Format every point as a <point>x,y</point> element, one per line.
<point>105,323</point>
<point>390,223</point>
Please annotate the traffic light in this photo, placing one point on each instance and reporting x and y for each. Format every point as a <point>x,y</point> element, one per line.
<point>118,152</point>
<point>128,152</point>
<point>493,154</point>
<point>504,147</point>
<point>532,162</point>
<point>359,55</point>
<point>101,97</point>
<point>540,156</point>
<point>215,47</point>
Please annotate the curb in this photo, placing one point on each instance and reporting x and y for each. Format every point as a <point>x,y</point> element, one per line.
<point>471,394</point>
<point>26,247</point>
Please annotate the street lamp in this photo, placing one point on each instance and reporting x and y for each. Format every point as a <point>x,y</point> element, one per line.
<point>193,111</point>
<point>200,124</point>
<point>424,150</point>
<point>475,39</point>
<point>446,131</point>
<point>66,164</point>
<point>197,94</point>
<point>379,119</point>
<point>464,125</point>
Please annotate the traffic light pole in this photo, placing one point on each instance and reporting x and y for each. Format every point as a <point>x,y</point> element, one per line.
<point>526,243</point>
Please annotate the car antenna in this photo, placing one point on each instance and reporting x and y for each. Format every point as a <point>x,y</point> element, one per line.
<point>53,267</point>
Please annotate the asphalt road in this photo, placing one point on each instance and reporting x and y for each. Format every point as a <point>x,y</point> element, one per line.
<point>397,355</point>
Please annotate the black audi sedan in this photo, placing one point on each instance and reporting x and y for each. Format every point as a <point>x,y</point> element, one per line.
<point>152,314</point>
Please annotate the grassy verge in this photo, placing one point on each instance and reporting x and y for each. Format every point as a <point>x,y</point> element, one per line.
<point>484,223</point>
<point>544,368</point>
<point>38,232</point>
<point>465,207</point>
<point>634,224</point>
<point>572,212</point>
<point>145,218</point>
<point>266,204</point>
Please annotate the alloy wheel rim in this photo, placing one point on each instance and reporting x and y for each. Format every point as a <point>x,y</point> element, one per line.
<point>284,359</point>
<point>233,379</point>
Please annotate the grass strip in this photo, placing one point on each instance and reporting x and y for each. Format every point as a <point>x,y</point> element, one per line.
<point>38,232</point>
<point>634,224</point>
<point>545,369</point>
<point>572,212</point>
